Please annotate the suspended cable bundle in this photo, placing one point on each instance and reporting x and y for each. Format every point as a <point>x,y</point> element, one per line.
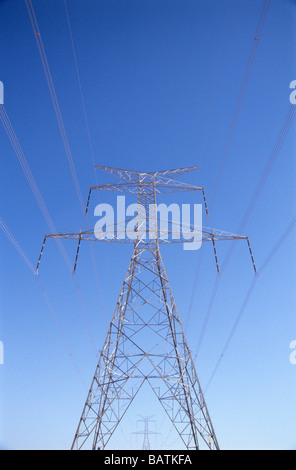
<point>54,99</point>
<point>265,263</point>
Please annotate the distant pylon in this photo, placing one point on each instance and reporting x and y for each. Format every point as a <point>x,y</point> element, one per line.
<point>145,342</point>
<point>146,432</point>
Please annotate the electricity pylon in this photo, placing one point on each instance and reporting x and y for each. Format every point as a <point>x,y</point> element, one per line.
<point>146,432</point>
<point>145,342</point>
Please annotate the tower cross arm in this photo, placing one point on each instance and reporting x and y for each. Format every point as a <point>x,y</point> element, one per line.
<point>132,175</point>
<point>124,235</point>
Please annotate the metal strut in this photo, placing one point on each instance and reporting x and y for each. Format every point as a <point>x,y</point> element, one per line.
<point>39,259</point>
<point>215,252</point>
<point>252,257</point>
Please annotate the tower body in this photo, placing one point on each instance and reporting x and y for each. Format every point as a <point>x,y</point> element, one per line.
<point>145,343</point>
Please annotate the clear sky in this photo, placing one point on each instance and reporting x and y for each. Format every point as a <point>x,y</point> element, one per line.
<point>160,82</point>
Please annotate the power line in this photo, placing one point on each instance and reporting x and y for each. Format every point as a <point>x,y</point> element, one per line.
<point>251,58</point>
<point>25,258</point>
<point>30,178</point>
<point>16,245</point>
<point>56,106</point>
<point>61,333</point>
<point>265,174</point>
<point>90,144</point>
<point>40,201</point>
<point>80,87</point>
<point>269,165</point>
<point>253,201</point>
<point>226,25</point>
<point>53,95</point>
<point>267,260</point>
<point>277,246</point>
<point>25,166</point>
<point>241,95</point>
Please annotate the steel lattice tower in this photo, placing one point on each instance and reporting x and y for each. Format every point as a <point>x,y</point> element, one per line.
<point>145,342</point>
<point>146,432</point>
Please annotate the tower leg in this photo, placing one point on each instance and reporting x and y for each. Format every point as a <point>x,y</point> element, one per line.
<point>145,342</point>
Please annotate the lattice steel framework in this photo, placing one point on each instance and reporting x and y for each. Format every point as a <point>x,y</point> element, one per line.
<point>146,432</point>
<point>145,342</point>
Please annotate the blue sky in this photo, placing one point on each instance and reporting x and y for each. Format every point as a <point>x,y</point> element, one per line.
<point>160,82</point>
